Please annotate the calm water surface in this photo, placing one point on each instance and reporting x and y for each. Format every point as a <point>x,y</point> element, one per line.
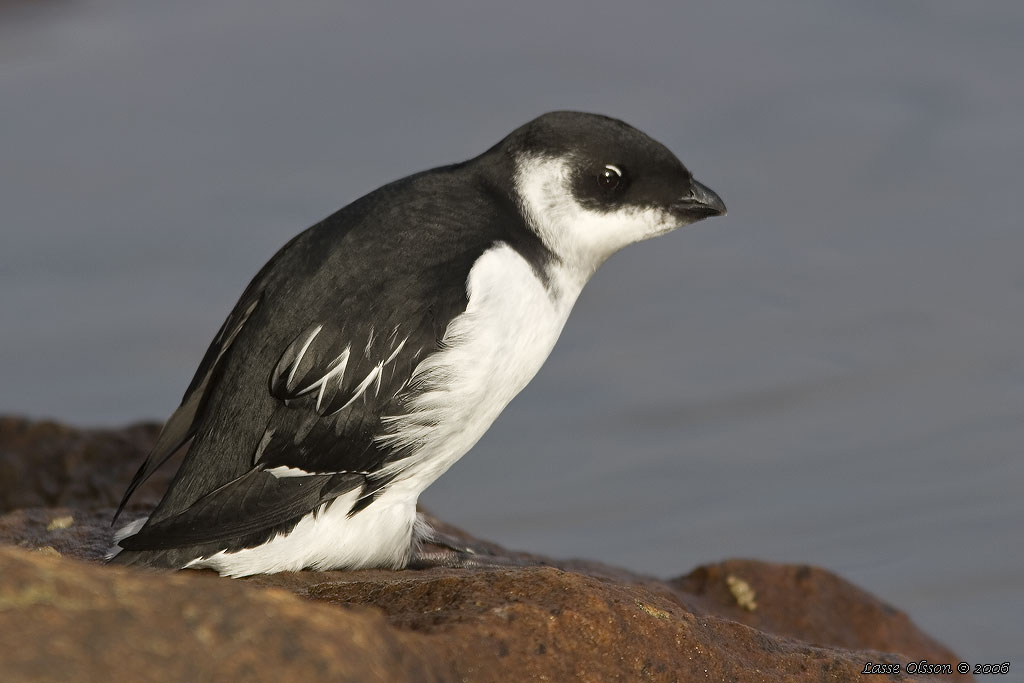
<point>832,374</point>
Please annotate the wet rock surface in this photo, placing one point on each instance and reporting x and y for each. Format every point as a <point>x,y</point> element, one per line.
<point>65,616</point>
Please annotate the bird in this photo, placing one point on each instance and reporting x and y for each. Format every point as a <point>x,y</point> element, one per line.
<point>377,347</point>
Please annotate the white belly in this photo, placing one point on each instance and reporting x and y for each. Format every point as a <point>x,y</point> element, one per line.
<point>378,536</point>
<point>491,352</point>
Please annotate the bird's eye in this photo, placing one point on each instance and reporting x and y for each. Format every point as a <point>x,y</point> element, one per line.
<point>612,179</point>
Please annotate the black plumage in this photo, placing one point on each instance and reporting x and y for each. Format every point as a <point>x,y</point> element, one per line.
<point>375,267</point>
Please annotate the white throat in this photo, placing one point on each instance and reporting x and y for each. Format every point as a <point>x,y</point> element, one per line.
<point>581,238</point>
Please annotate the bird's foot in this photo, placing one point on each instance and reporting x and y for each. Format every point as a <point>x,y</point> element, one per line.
<point>438,549</point>
<point>457,544</point>
<point>459,559</point>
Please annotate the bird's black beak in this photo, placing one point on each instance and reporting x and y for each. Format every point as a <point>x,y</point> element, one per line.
<point>700,202</point>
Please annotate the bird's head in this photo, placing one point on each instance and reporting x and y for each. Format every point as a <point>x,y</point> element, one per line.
<point>589,185</point>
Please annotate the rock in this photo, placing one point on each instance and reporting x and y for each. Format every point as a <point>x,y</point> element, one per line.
<point>46,464</point>
<point>808,604</point>
<point>63,620</point>
<point>89,538</point>
<point>64,616</point>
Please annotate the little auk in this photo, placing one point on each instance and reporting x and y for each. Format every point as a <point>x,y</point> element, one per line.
<point>375,349</point>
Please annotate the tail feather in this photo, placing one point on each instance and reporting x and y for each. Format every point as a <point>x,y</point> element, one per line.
<point>169,558</point>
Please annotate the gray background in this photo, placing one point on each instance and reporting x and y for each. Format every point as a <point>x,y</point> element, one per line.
<point>832,374</point>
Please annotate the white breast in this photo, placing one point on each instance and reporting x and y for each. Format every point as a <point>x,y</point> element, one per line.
<point>492,351</point>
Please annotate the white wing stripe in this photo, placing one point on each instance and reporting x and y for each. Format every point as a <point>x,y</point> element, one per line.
<point>398,350</point>
<point>298,358</point>
<point>338,370</point>
<point>283,472</point>
<point>369,342</point>
<point>363,386</point>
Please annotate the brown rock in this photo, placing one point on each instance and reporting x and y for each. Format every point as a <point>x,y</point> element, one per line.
<point>547,624</point>
<point>46,464</point>
<point>740,620</point>
<point>88,538</point>
<point>62,620</point>
<point>809,604</point>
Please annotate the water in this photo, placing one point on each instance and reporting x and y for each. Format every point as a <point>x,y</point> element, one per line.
<point>832,374</point>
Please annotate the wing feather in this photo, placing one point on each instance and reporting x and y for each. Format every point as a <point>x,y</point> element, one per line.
<point>183,423</point>
<point>255,501</point>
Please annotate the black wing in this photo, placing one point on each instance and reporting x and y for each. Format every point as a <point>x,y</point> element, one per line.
<point>290,411</point>
<point>249,505</point>
<point>182,424</point>
<point>331,386</point>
